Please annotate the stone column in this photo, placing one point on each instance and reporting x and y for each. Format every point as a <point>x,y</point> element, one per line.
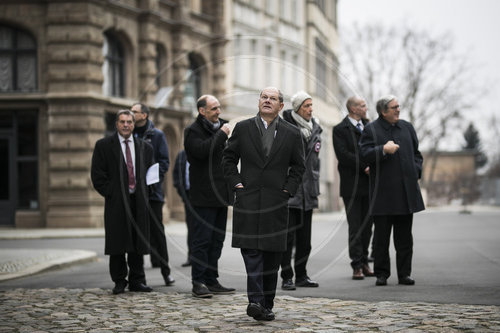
<point>75,112</point>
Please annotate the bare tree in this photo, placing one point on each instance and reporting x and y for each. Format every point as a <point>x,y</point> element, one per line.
<point>433,83</point>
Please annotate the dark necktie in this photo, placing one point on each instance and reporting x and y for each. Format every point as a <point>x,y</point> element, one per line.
<point>358,126</point>
<point>130,167</point>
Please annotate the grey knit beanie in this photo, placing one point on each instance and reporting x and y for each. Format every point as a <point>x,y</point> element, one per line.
<point>298,99</point>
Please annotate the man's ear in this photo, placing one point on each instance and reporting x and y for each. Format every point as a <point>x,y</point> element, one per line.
<point>201,111</point>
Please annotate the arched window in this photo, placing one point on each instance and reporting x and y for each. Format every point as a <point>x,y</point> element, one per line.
<point>114,67</point>
<point>194,77</point>
<point>18,61</point>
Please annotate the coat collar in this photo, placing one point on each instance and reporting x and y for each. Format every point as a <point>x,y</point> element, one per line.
<point>386,125</point>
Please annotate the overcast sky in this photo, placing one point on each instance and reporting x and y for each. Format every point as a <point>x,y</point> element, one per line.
<point>475,25</point>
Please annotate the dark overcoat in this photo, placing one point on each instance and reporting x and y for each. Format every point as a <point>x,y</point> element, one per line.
<point>307,194</point>
<point>204,148</point>
<point>394,187</point>
<point>353,179</point>
<point>109,177</point>
<point>260,214</point>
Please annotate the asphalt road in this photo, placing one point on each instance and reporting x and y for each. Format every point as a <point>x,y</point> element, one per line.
<point>456,260</point>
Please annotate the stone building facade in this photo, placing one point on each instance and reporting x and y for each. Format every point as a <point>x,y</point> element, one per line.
<point>67,66</point>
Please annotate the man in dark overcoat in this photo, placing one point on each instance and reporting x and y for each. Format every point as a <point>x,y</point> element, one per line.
<point>301,205</point>
<point>145,129</point>
<point>354,184</point>
<point>118,173</point>
<point>204,141</point>
<point>272,163</point>
<point>390,147</point>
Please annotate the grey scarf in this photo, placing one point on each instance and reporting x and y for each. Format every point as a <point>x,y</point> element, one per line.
<point>304,125</point>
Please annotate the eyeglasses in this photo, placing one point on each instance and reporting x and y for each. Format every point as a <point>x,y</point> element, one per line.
<point>394,107</point>
<point>134,112</point>
<point>271,98</point>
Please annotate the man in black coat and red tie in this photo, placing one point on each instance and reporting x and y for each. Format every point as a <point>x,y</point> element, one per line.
<point>390,147</point>
<point>354,184</point>
<point>118,173</point>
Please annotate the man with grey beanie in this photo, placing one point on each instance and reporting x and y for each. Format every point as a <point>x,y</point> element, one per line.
<point>300,206</point>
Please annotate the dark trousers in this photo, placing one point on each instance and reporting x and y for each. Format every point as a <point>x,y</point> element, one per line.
<point>118,263</point>
<point>299,233</point>
<point>209,232</point>
<point>159,251</point>
<point>403,242</point>
<point>118,268</point>
<point>262,275</point>
<point>360,229</point>
<point>189,216</point>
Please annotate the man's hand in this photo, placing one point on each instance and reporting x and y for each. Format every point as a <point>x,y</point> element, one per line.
<point>390,147</point>
<point>367,170</point>
<point>226,129</point>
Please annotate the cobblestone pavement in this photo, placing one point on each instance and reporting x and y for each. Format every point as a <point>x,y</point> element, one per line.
<point>97,310</point>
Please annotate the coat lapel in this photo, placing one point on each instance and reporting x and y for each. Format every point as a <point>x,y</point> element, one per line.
<point>255,137</point>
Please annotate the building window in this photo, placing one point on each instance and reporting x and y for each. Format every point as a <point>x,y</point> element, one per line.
<point>161,66</point>
<point>18,61</point>
<point>321,70</point>
<point>321,5</point>
<point>194,76</point>
<point>19,147</point>
<point>114,67</point>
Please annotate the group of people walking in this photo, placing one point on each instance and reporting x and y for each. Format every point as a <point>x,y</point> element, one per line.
<point>267,167</point>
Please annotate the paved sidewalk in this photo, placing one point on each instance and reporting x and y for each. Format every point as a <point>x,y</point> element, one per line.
<point>97,310</point>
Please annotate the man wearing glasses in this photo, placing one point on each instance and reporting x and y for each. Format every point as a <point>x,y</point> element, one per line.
<point>390,147</point>
<point>271,154</point>
<point>204,141</point>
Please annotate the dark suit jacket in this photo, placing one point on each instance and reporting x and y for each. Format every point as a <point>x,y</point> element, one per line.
<point>110,179</point>
<point>260,215</point>
<point>204,152</point>
<point>393,178</point>
<point>353,179</point>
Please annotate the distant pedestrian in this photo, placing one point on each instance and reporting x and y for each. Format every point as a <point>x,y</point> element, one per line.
<point>390,146</point>
<point>204,141</point>
<point>271,157</point>
<point>301,205</point>
<point>118,173</point>
<point>181,183</point>
<point>145,129</point>
<point>354,182</point>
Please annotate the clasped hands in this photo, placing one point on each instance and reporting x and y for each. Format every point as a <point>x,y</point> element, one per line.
<point>390,147</point>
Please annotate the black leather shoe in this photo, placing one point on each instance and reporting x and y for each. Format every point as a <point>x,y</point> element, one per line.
<point>140,287</point>
<point>200,290</point>
<point>169,280</point>
<point>256,311</point>
<point>381,281</point>
<point>306,282</point>
<point>219,289</point>
<point>269,315</point>
<point>288,285</point>
<point>119,288</point>
<point>407,281</point>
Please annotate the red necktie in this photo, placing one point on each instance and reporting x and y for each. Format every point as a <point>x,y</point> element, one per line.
<point>130,167</point>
